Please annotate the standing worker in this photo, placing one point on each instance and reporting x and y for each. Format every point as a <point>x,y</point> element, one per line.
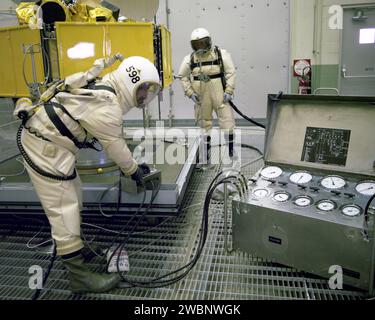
<point>65,120</point>
<point>208,78</point>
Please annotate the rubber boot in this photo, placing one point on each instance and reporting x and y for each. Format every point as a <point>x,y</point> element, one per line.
<point>204,154</point>
<point>207,143</point>
<point>230,143</point>
<point>82,280</point>
<point>90,251</point>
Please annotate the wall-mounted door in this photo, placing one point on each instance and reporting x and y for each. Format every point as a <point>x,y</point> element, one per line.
<point>358,52</point>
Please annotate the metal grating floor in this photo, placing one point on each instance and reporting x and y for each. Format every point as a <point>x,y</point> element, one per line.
<point>218,275</point>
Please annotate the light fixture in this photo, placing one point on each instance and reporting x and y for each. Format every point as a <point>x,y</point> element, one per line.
<point>359,16</point>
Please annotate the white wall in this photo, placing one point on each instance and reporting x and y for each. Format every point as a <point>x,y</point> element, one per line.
<point>302,30</point>
<point>6,19</point>
<point>255,32</point>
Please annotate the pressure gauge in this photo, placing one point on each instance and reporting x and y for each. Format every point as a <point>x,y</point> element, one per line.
<point>303,201</point>
<point>281,196</point>
<point>333,182</point>
<point>261,193</point>
<point>326,205</point>
<point>366,188</point>
<point>351,210</point>
<point>271,172</point>
<point>301,177</point>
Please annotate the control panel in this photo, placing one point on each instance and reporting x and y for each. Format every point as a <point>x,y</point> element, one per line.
<point>332,196</point>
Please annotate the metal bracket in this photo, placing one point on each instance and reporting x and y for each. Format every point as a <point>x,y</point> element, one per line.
<point>203,77</point>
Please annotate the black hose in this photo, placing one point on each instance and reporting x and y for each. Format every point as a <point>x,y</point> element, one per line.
<point>246,117</point>
<point>46,275</point>
<point>35,167</point>
<point>158,282</point>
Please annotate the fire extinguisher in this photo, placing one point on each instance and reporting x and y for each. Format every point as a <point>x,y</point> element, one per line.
<point>304,85</point>
<point>302,70</point>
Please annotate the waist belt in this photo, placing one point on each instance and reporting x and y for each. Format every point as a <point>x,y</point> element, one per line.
<point>206,78</point>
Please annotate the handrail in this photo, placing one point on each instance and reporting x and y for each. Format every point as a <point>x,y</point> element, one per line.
<point>326,89</point>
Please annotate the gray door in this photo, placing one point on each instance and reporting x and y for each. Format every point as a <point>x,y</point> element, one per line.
<point>358,52</point>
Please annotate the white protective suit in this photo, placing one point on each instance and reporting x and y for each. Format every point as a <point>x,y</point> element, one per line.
<point>210,93</point>
<point>100,112</point>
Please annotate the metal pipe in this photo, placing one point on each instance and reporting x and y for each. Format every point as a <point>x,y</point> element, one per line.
<point>226,217</point>
<point>171,93</point>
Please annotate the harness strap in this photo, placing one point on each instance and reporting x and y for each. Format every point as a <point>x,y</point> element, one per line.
<point>204,77</point>
<point>60,126</point>
<point>205,63</point>
<point>93,86</point>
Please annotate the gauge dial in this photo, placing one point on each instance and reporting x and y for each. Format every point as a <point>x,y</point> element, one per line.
<point>333,182</point>
<point>366,188</point>
<point>271,172</point>
<point>326,205</point>
<point>303,201</point>
<point>261,193</point>
<point>301,177</point>
<point>351,210</point>
<point>281,196</point>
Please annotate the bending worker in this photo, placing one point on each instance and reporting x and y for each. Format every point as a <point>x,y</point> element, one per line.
<point>208,78</point>
<point>79,109</point>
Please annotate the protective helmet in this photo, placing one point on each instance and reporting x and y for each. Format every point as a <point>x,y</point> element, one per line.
<point>136,80</point>
<point>201,40</point>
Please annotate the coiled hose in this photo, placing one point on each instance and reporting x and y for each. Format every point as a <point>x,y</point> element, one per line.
<point>33,165</point>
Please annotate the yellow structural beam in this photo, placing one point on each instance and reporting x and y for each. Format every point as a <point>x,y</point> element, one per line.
<point>14,65</point>
<point>79,45</point>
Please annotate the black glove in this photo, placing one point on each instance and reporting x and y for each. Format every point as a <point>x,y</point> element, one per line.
<point>141,171</point>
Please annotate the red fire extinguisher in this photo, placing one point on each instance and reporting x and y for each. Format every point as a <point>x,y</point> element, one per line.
<point>302,70</point>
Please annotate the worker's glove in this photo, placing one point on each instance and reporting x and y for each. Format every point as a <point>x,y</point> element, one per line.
<point>142,170</point>
<point>227,97</point>
<point>195,98</point>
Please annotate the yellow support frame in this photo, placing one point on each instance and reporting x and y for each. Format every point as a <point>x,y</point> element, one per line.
<point>167,56</point>
<point>100,40</point>
<point>12,42</point>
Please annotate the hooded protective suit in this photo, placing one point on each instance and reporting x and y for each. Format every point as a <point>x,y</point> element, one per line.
<point>195,80</point>
<point>96,113</point>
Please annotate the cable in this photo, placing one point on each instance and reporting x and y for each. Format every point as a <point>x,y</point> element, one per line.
<point>246,117</point>
<point>158,282</point>
<point>243,145</point>
<point>101,199</point>
<point>118,198</point>
<point>32,165</point>
<point>18,159</point>
<point>46,275</point>
<point>121,246</point>
<point>122,229</point>
<point>366,217</point>
<point>251,162</point>
<point>45,59</point>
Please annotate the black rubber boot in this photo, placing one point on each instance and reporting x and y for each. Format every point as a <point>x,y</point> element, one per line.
<point>82,280</point>
<point>231,143</point>
<point>207,143</point>
<point>90,251</point>
<point>204,154</point>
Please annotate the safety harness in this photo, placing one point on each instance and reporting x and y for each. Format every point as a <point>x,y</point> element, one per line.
<point>61,127</point>
<point>218,62</point>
